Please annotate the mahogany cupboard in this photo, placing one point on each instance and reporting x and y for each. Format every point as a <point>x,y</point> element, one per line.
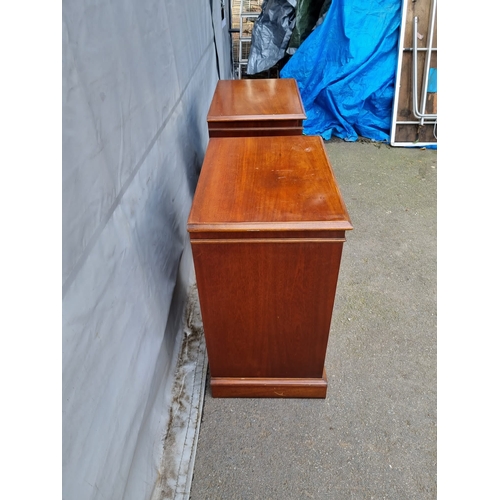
<point>255,108</point>
<point>267,226</point>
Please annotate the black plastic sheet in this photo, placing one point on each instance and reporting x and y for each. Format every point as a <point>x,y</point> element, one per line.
<point>271,34</point>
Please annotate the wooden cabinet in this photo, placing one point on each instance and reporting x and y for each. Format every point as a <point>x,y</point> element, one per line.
<point>267,226</point>
<point>256,108</point>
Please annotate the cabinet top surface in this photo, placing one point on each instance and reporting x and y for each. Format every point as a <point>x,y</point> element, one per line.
<point>247,99</point>
<point>267,183</point>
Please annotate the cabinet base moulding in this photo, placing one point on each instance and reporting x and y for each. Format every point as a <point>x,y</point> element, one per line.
<point>253,387</point>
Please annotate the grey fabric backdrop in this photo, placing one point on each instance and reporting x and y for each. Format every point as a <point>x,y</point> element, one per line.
<point>138,77</point>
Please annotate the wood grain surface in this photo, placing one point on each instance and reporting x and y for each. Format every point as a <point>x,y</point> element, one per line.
<point>256,108</point>
<point>267,307</point>
<point>267,183</point>
<point>225,387</point>
<point>267,228</point>
<point>277,98</point>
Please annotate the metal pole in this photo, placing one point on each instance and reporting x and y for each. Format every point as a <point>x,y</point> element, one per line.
<point>430,36</point>
<point>416,111</point>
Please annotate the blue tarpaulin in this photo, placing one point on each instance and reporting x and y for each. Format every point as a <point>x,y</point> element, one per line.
<point>346,70</point>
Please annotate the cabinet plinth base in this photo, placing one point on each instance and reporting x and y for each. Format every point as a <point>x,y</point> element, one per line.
<point>232,387</point>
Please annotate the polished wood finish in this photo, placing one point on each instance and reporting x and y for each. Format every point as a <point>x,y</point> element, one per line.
<point>225,387</point>
<point>267,228</point>
<point>256,107</point>
<point>267,184</point>
<point>268,306</point>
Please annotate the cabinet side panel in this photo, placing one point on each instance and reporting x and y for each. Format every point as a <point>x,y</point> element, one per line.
<point>267,306</point>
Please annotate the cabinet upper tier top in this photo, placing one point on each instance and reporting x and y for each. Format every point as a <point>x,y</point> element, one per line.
<point>267,184</point>
<point>256,99</point>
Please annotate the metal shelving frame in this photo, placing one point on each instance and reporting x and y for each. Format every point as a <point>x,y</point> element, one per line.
<point>418,108</point>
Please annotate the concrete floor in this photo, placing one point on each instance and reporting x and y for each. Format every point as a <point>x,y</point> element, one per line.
<point>374,437</point>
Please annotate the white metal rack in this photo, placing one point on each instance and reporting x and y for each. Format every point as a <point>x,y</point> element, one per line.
<point>420,117</point>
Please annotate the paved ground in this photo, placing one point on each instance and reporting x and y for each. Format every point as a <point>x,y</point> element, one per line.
<point>374,437</point>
